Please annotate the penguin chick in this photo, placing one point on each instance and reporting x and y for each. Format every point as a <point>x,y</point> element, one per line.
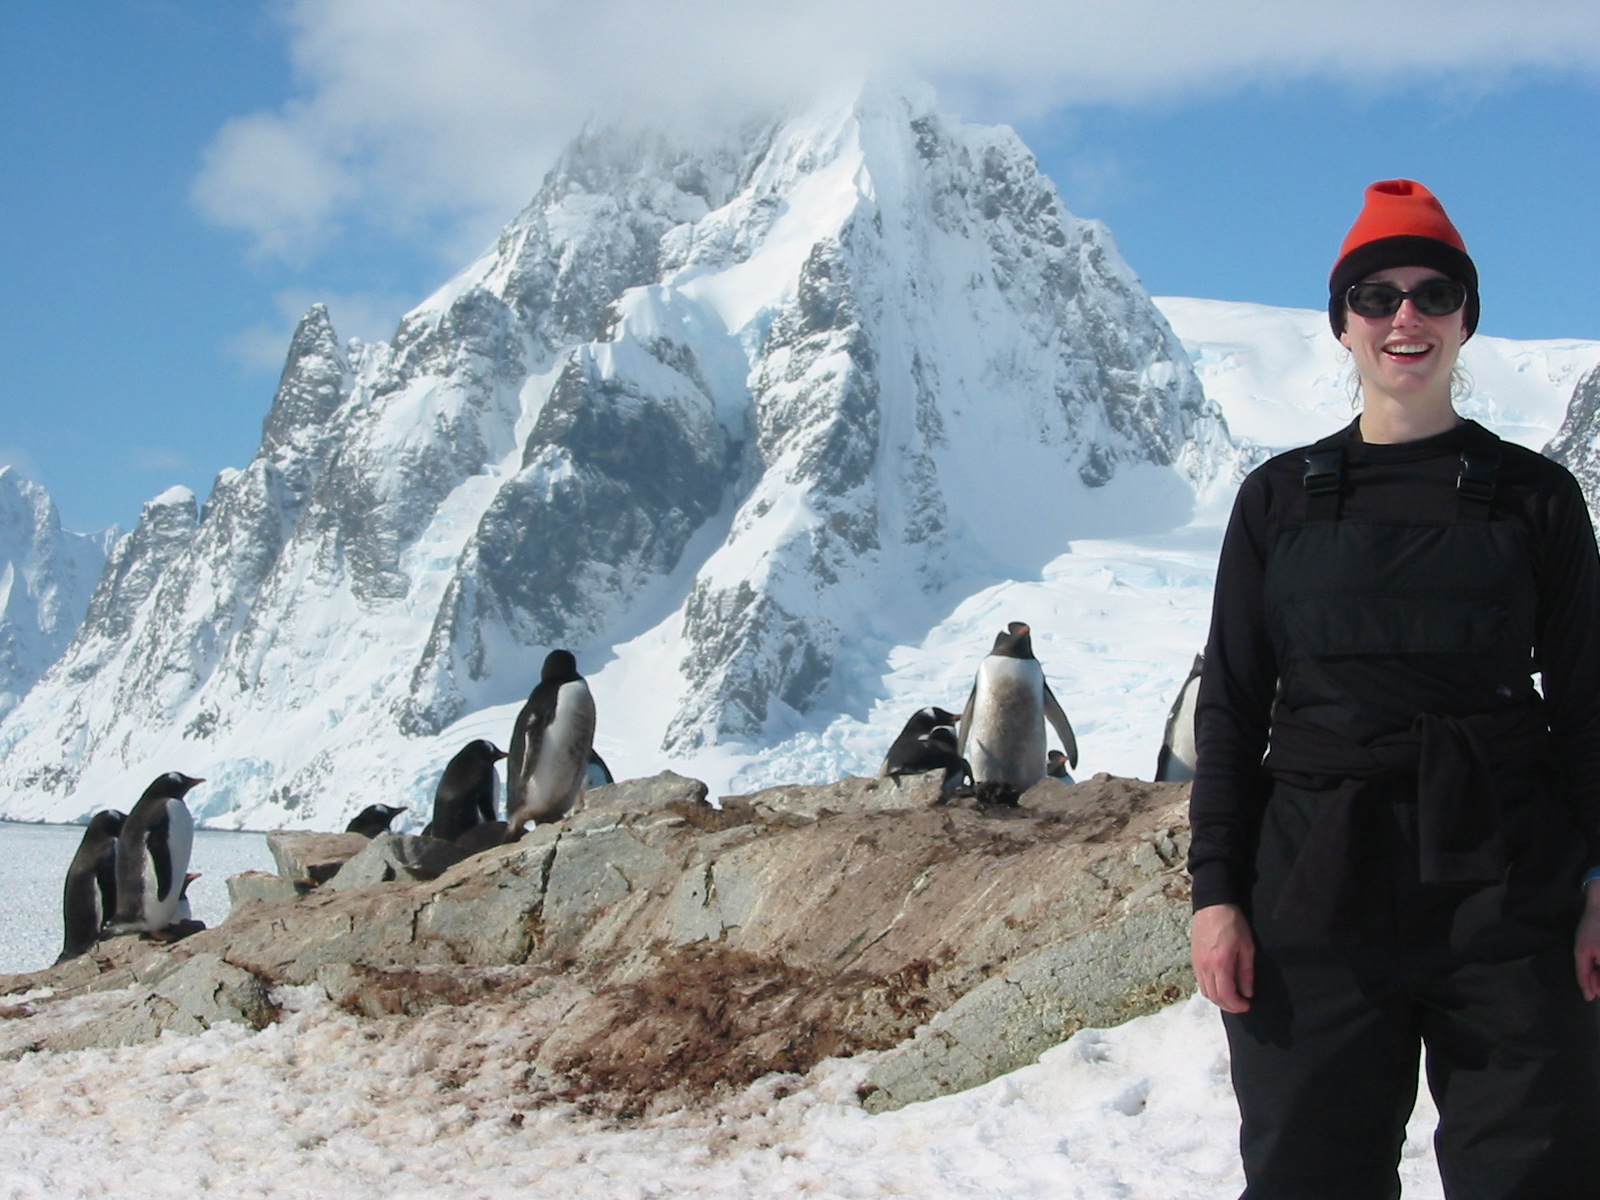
<point>550,746</point>
<point>374,819</point>
<point>89,898</point>
<point>936,752</point>
<point>465,796</point>
<point>598,774</point>
<point>1002,727</point>
<point>910,741</point>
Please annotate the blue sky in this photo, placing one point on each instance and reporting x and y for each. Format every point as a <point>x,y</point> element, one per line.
<point>182,179</point>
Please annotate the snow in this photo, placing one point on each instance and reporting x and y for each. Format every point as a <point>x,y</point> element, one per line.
<point>322,1103</point>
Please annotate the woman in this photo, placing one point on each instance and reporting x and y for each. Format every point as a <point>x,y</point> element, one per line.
<point>1406,865</point>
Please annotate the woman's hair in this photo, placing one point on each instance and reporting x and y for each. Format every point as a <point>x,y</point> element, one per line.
<point>1461,384</point>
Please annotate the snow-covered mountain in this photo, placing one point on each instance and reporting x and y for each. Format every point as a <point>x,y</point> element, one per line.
<point>796,393</point>
<point>773,433</point>
<point>1577,442</point>
<point>46,575</point>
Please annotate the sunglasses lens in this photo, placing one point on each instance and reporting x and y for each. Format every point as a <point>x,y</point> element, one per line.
<point>1439,297</point>
<point>1373,299</point>
<point>1435,298</point>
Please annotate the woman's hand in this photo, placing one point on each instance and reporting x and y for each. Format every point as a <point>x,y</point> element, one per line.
<point>1586,948</point>
<point>1223,952</point>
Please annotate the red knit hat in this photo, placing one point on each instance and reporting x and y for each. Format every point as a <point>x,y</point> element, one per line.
<point>1401,225</point>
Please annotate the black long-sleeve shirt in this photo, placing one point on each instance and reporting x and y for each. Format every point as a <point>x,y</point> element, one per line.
<point>1412,482</point>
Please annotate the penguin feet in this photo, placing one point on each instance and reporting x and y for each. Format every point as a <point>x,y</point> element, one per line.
<point>175,932</point>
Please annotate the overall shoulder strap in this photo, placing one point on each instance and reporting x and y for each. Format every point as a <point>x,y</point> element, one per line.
<point>1324,479</point>
<point>1480,467</point>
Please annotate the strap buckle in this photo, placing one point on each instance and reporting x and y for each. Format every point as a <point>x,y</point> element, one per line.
<point>1476,482</point>
<point>1324,472</point>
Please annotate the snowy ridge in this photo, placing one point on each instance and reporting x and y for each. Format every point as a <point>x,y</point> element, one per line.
<point>773,434</point>
<point>46,576</point>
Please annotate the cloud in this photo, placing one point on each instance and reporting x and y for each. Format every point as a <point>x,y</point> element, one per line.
<point>156,458</point>
<point>436,118</point>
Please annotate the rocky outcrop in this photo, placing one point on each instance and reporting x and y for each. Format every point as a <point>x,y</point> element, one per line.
<point>653,948</point>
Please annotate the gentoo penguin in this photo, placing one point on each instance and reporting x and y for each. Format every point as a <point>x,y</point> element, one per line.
<point>185,913</point>
<point>935,751</point>
<point>1055,766</point>
<point>550,746</point>
<point>910,742</point>
<point>1175,762</point>
<point>1002,727</point>
<point>465,795</point>
<point>153,855</point>
<point>90,896</point>
<point>374,819</point>
<point>598,774</point>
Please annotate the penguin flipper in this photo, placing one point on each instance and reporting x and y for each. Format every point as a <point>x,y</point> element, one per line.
<point>105,877</point>
<point>160,851</point>
<point>1063,727</point>
<point>965,726</point>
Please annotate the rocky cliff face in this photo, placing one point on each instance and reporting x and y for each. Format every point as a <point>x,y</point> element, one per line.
<point>46,576</point>
<point>785,397</point>
<point>1577,443</point>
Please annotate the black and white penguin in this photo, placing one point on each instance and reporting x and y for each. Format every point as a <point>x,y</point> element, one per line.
<point>1002,727</point>
<point>153,855</point>
<point>936,751</point>
<point>185,913</point>
<point>466,793</point>
<point>90,896</point>
<point>374,819</point>
<point>598,774</point>
<point>911,741</point>
<point>550,746</point>
<point>1055,766</point>
<point>1175,762</point>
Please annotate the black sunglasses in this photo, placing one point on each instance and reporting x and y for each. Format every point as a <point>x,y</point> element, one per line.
<point>1433,298</point>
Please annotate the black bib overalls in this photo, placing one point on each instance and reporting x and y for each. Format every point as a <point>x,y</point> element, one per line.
<point>1416,882</point>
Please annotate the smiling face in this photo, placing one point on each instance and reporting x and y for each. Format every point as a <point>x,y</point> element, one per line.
<point>1405,358</point>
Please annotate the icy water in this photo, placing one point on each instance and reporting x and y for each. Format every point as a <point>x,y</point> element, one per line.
<point>33,869</point>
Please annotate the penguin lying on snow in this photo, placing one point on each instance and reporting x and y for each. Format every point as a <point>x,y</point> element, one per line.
<point>374,819</point>
<point>153,856</point>
<point>90,896</point>
<point>1002,727</point>
<point>466,791</point>
<point>550,746</point>
<point>1175,762</point>
<point>912,740</point>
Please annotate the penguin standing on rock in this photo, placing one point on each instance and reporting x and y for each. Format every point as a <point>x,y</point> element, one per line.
<point>374,819</point>
<point>550,746</point>
<point>465,796</point>
<point>153,855</point>
<point>1175,762</point>
<point>913,740</point>
<point>90,896</point>
<point>598,774</point>
<point>1002,727</point>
